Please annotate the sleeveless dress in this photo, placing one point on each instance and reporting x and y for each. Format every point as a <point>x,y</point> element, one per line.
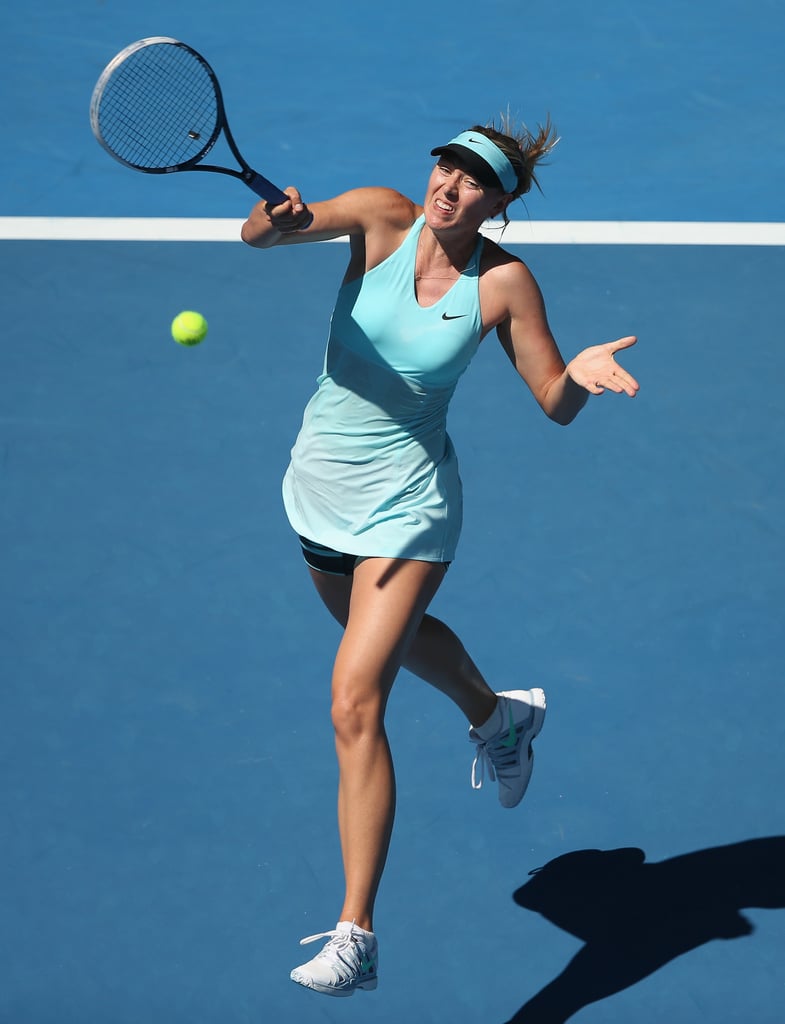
<point>373,470</point>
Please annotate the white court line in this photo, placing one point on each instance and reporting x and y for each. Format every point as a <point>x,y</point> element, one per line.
<point>544,232</point>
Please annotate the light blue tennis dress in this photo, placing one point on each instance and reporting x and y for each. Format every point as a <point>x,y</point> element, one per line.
<point>373,470</point>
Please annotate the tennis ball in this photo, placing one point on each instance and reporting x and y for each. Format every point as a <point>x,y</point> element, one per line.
<point>189,328</point>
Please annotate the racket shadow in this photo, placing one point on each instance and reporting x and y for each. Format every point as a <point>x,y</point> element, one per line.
<point>636,917</point>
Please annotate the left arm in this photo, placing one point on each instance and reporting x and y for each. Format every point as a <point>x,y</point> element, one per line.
<point>561,390</point>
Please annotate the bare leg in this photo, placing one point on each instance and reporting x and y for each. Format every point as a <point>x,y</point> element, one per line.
<point>438,656</point>
<point>388,601</point>
<point>435,654</point>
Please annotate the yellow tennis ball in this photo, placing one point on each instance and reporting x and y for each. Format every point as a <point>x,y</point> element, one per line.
<point>189,328</point>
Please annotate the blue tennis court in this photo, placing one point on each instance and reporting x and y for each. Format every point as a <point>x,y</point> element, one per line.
<point>168,784</point>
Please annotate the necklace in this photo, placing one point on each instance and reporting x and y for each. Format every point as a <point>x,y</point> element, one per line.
<point>435,277</point>
<point>440,275</point>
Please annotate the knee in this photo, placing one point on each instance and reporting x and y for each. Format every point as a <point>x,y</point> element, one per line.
<point>357,712</point>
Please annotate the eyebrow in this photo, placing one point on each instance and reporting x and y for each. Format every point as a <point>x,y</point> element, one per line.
<point>459,166</point>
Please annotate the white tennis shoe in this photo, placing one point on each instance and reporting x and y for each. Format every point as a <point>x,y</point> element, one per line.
<point>350,960</point>
<point>507,752</point>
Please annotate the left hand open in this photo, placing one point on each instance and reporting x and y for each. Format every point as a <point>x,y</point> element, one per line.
<point>596,370</point>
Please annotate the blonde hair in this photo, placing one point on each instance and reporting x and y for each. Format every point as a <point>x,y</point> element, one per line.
<point>523,148</point>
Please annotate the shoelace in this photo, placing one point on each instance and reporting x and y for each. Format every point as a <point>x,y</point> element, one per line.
<point>342,949</point>
<point>494,756</point>
<point>482,761</point>
<point>325,935</point>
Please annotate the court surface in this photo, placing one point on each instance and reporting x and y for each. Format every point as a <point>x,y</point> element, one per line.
<point>167,818</point>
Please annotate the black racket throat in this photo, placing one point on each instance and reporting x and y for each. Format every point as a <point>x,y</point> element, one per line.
<point>262,186</point>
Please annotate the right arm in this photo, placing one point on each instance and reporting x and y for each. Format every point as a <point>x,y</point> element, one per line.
<point>362,211</point>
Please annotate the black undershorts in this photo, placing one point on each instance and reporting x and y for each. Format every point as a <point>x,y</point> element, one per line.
<point>337,563</point>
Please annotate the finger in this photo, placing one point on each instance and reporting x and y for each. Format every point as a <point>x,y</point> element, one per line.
<point>293,203</point>
<point>290,216</point>
<point>277,209</point>
<point>296,199</point>
<point>625,378</point>
<point>631,385</point>
<point>620,343</point>
<point>294,223</point>
<point>621,381</point>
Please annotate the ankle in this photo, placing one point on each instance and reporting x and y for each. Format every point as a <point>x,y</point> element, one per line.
<point>489,721</point>
<point>362,921</point>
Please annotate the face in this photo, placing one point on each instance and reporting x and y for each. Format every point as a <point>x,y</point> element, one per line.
<point>455,198</point>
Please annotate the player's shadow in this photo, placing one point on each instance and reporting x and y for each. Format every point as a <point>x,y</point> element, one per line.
<point>635,917</point>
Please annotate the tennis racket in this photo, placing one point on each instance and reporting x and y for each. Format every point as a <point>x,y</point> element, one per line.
<point>158,108</point>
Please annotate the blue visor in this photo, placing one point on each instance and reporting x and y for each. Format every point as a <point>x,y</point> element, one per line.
<point>482,158</point>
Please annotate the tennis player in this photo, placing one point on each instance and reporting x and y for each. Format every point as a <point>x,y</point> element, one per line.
<point>373,490</point>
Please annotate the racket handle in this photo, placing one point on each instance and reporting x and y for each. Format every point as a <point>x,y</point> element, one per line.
<point>264,188</point>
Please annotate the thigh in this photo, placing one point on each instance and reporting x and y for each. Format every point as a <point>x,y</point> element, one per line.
<point>388,600</point>
<point>335,592</point>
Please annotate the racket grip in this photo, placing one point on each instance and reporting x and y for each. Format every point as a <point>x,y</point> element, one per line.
<point>264,188</point>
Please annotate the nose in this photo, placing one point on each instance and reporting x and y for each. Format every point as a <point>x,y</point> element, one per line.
<point>452,181</point>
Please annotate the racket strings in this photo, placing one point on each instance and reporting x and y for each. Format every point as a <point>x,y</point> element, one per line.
<point>159,108</point>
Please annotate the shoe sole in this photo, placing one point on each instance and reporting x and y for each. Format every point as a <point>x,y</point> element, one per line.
<point>327,990</point>
<point>537,702</point>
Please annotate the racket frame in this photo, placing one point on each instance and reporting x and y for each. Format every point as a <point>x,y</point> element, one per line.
<point>262,186</point>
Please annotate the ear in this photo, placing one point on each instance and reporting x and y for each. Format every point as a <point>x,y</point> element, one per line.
<point>501,205</point>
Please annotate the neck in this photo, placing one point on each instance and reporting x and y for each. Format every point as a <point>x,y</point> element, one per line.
<point>440,256</point>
